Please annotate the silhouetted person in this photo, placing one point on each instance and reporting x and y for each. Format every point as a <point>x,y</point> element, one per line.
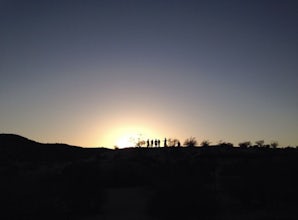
<point>152,143</point>
<point>178,144</point>
<point>155,142</point>
<point>158,143</point>
<point>148,143</point>
<point>165,143</point>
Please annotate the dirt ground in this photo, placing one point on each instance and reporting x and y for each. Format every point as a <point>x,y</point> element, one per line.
<point>126,204</point>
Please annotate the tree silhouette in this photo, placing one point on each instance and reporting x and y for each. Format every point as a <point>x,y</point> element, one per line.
<point>205,143</point>
<point>274,144</point>
<point>190,142</point>
<point>140,143</point>
<point>225,144</point>
<point>245,144</point>
<point>260,143</point>
<point>137,141</point>
<point>172,142</point>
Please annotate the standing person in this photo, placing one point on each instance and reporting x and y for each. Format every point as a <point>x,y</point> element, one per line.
<point>152,143</point>
<point>155,142</point>
<point>148,143</point>
<point>165,143</point>
<point>158,143</point>
<point>179,144</point>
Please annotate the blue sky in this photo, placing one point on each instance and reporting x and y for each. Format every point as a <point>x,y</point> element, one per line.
<point>91,72</point>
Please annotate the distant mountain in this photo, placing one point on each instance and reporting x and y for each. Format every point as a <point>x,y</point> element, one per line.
<point>15,147</point>
<point>14,140</point>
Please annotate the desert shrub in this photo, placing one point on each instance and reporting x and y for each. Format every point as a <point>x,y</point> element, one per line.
<point>205,143</point>
<point>245,144</point>
<point>274,144</point>
<point>260,143</point>
<point>190,142</point>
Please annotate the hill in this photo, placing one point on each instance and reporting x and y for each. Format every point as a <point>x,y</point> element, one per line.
<point>14,140</point>
<point>17,148</point>
<point>212,182</point>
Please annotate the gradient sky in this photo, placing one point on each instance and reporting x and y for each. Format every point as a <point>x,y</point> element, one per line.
<point>88,73</point>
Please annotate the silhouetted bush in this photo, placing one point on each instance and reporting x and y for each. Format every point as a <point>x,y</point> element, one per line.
<point>274,144</point>
<point>190,142</point>
<point>260,143</point>
<point>245,144</point>
<point>205,143</point>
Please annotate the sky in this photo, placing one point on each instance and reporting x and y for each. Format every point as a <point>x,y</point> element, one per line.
<point>95,73</point>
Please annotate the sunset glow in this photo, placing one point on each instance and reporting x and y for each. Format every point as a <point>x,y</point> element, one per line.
<point>127,141</point>
<point>95,73</point>
<point>127,136</point>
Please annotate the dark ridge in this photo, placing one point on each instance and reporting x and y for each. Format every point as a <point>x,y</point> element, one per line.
<point>14,139</point>
<point>214,182</point>
<point>17,148</point>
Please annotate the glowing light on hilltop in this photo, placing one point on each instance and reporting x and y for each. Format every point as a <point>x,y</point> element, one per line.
<point>125,141</point>
<point>129,136</point>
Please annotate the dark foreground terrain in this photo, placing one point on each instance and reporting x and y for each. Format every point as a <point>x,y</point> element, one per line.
<point>57,181</point>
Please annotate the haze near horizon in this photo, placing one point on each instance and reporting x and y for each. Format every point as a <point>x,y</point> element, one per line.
<point>91,73</point>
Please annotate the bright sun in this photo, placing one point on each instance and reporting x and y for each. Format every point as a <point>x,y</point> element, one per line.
<point>125,141</point>
<point>129,136</point>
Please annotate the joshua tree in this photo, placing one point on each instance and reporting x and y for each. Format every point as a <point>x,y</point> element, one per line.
<point>190,142</point>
